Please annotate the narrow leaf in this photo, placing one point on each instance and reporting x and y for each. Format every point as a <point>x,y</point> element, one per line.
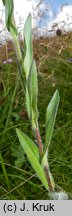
<point>50,121</point>
<point>28,44</point>
<point>4,172</point>
<point>9,17</point>
<point>9,7</point>
<point>50,117</point>
<point>32,153</point>
<point>29,142</point>
<point>19,162</point>
<point>33,93</point>
<point>28,105</point>
<point>11,27</point>
<point>45,164</point>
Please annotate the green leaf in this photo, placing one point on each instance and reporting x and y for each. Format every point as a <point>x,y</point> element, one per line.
<point>32,153</point>
<point>28,105</point>
<point>9,17</point>
<point>15,115</point>
<point>9,7</point>
<point>11,27</point>
<point>50,117</point>
<point>18,153</point>
<point>28,44</point>
<point>33,93</point>
<point>4,172</point>
<point>14,32</point>
<point>19,162</point>
<point>31,144</point>
<point>50,121</point>
<point>45,164</point>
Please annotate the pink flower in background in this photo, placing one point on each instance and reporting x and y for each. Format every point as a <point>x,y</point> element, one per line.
<point>10,60</point>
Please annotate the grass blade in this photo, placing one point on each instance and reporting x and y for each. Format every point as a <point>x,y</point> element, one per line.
<point>4,172</point>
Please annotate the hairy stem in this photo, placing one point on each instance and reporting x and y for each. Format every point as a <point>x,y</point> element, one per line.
<point>39,141</point>
<point>46,170</point>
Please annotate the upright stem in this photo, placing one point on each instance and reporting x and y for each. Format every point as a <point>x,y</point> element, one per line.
<point>39,141</point>
<point>18,50</point>
<point>46,169</point>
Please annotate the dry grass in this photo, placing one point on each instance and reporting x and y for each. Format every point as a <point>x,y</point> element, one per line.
<point>50,47</point>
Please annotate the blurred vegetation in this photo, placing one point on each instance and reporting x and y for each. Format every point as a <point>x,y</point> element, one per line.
<point>54,63</point>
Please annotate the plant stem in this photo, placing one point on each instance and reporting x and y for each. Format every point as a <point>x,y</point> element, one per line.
<point>46,170</point>
<point>39,141</point>
<point>18,50</point>
<point>19,59</point>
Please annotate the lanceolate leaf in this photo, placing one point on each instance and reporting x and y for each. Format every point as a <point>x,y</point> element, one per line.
<point>50,117</point>
<point>32,153</point>
<point>9,17</point>
<point>9,7</point>
<point>28,105</point>
<point>33,93</point>
<point>29,142</point>
<point>11,26</point>
<point>28,45</point>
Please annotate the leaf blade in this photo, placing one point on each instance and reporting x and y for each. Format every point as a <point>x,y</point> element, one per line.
<point>32,157</point>
<point>51,113</point>
<point>32,85</point>
<point>28,45</point>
